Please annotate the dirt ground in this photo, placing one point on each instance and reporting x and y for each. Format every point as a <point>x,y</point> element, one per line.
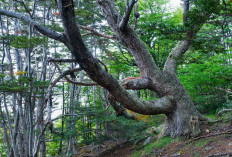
<point>214,141</point>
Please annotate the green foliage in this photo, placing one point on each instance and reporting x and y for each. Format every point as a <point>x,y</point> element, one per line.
<point>159,29</point>
<point>201,11</point>
<point>159,144</point>
<point>55,27</point>
<point>120,127</point>
<point>21,84</point>
<point>206,78</point>
<point>201,143</point>
<point>3,146</point>
<point>25,42</point>
<point>121,62</point>
<point>87,14</point>
<point>52,147</point>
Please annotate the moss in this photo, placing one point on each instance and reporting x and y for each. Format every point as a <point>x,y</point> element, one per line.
<point>136,154</point>
<point>159,144</point>
<point>202,142</point>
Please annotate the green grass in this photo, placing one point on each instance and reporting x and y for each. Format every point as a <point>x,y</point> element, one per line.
<point>136,154</point>
<point>158,144</point>
<point>201,143</point>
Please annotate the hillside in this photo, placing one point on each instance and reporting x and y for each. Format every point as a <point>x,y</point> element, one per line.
<point>215,140</point>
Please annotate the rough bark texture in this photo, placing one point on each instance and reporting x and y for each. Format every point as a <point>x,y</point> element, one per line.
<point>173,101</point>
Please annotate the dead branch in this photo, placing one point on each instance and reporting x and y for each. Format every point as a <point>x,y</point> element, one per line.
<point>25,7</point>
<point>92,31</point>
<point>61,116</point>
<point>223,110</point>
<point>211,135</point>
<point>219,154</point>
<point>73,82</point>
<point>86,34</point>
<point>106,69</point>
<point>73,60</point>
<point>60,60</point>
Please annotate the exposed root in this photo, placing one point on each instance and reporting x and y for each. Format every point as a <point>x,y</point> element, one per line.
<point>211,135</point>
<point>203,118</point>
<point>219,154</point>
<point>222,111</point>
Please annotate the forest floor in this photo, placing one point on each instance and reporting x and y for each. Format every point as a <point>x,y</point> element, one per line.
<point>214,140</point>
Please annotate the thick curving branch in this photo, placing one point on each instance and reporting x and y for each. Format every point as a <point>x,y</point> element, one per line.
<point>125,19</point>
<point>191,31</point>
<point>92,67</point>
<point>136,83</point>
<point>129,39</point>
<point>171,62</point>
<point>43,30</point>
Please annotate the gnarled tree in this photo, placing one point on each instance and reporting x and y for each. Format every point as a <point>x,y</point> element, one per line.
<point>173,99</point>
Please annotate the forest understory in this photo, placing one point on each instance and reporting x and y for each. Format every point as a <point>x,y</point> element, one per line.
<point>215,140</point>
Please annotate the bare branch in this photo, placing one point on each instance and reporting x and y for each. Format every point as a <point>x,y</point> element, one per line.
<point>61,60</point>
<point>223,111</point>
<point>61,116</point>
<point>67,72</point>
<point>25,7</point>
<point>73,60</point>
<point>210,135</point>
<point>136,15</point>
<point>43,30</point>
<point>49,90</point>
<point>186,8</point>
<point>129,6</point>
<point>97,33</point>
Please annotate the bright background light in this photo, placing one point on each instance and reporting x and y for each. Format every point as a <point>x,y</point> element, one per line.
<point>175,3</point>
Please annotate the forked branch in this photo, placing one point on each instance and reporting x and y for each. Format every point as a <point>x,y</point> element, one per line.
<point>171,62</point>
<point>125,19</point>
<point>129,38</point>
<point>68,72</point>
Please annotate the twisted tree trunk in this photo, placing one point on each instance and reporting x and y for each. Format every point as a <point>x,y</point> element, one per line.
<point>173,101</point>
